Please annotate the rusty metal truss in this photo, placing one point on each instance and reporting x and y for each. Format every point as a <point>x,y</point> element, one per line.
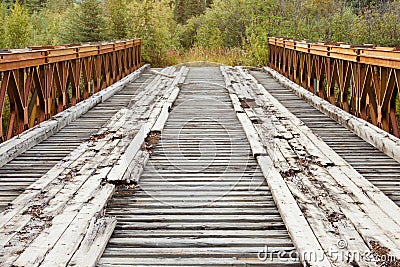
<point>39,82</point>
<point>362,80</point>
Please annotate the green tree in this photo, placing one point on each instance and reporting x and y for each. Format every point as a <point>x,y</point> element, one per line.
<point>367,27</point>
<point>230,18</point>
<point>34,5</point>
<point>342,25</point>
<point>48,21</point>
<point>118,19</point>
<point>8,3</point>
<point>85,23</point>
<point>186,34</point>
<point>18,27</point>
<point>266,21</point>
<point>361,5</point>
<point>31,5</point>
<point>186,9</point>
<point>3,12</point>
<point>58,6</point>
<point>391,28</point>
<point>153,21</point>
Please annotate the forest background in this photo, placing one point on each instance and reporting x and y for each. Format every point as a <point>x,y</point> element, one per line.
<point>233,32</point>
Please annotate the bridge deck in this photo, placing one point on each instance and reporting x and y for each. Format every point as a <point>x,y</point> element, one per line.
<point>201,200</point>
<point>380,169</point>
<point>231,176</point>
<point>28,167</point>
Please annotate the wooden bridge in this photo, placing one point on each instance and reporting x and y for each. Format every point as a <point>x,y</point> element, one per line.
<point>106,162</point>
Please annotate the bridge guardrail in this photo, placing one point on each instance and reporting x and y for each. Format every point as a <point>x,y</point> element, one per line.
<point>39,82</point>
<point>362,80</point>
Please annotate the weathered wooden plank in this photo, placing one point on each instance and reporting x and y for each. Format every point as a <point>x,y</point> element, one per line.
<point>298,227</point>
<point>353,184</point>
<point>136,168</point>
<point>256,146</point>
<point>386,143</point>
<point>162,118</point>
<point>236,103</point>
<point>65,141</point>
<point>94,243</point>
<point>20,202</point>
<point>157,118</point>
<point>118,170</point>
<point>19,144</point>
<point>40,247</point>
<point>195,262</point>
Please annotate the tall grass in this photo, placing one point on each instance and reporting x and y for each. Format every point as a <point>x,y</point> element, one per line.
<point>225,56</point>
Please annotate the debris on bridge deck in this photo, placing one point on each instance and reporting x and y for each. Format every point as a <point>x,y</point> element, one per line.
<point>203,167</point>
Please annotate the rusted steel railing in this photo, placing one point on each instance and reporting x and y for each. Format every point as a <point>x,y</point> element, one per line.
<point>39,82</point>
<point>362,80</point>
